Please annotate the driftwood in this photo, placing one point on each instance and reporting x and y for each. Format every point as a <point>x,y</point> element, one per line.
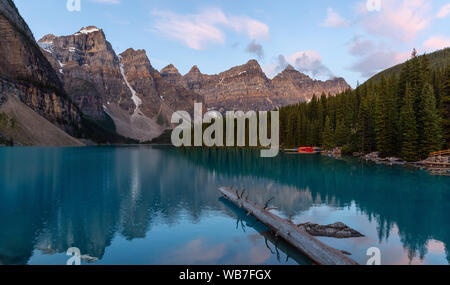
<point>273,244</point>
<point>317,251</point>
<point>336,230</point>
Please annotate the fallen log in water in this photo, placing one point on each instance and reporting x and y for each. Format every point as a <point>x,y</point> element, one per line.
<point>273,244</point>
<point>319,252</point>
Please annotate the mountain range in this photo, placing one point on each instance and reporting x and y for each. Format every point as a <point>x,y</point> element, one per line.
<point>80,86</point>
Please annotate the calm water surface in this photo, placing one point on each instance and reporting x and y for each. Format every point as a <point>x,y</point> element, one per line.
<point>159,205</point>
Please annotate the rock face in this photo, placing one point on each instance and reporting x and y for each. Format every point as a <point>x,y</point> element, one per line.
<point>290,85</point>
<point>161,95</point>
<point>86,57</point>
<point>124,87</point>
<point>170,74</point>
<point>22,126</point>
<point>194,79</point>
<point>246,87</point>
<point>26,75</point>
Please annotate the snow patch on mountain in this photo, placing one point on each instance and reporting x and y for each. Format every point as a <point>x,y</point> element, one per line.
<point>47,46</point>
<point>88,30</point>
<point>136,100</point>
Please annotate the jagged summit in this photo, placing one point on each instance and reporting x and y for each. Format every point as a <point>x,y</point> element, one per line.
<point>292,73</point>
<point>337,79</point>
<point>251,67</point>
<point>129,50</point>
<point>132,51</point>
<point>47,38</point>
<point>253,63</point>
<point>290,68</point>
<point>169,69</point>
<point>88,30</point>
<point>83,31</point>
<point>194,70</point>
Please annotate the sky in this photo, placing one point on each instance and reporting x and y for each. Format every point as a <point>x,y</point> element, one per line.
<point>324,39</point>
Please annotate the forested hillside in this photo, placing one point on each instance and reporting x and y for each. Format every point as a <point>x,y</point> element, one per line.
<point>405,113</point>
<point>437,60</point>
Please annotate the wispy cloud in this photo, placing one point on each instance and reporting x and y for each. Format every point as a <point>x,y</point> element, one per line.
<point>444,11</point>
<point>197,31</point>
<point>335,20</point>
<point>372,57</point>
<point>359,46</point>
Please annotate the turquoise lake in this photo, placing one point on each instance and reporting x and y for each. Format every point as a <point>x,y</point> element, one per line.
<point>160,205</point>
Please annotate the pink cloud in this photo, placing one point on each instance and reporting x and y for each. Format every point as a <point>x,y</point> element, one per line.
<point>197,31</point>
<point>398,19</point>
<point>435,43</point>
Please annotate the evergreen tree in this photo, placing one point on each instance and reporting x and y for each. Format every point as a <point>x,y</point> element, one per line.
<point>341,134</point>
<point>384,121</point>
<point>328,135</point>
<point>363,118</point>
<point>405,115</point>
<point>445,107</point>
<point>408,126</point>
<point>432,134</point>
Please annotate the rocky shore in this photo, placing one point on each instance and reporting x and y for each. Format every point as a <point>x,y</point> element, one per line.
<point>435,165</point>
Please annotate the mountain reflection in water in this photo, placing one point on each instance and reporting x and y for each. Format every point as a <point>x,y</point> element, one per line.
<point>160,205</point>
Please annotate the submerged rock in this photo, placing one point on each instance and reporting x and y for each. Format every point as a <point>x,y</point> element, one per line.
<point>336,230</point>
<point>89,259</point>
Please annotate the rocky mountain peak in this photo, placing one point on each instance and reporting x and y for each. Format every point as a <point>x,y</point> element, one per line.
<point>290,68</point>
<point>172,75</point>
<point>337,79</point>
<point>137,64</point>
<point>251,70</point>
<point>294,75</point>
<point>47,38</point>
<point>294,85</point>
<point>252,65</point>
<point>88,30</point>
<point>139,56</point>
<point>194,70</point>
<point>170,69</point>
